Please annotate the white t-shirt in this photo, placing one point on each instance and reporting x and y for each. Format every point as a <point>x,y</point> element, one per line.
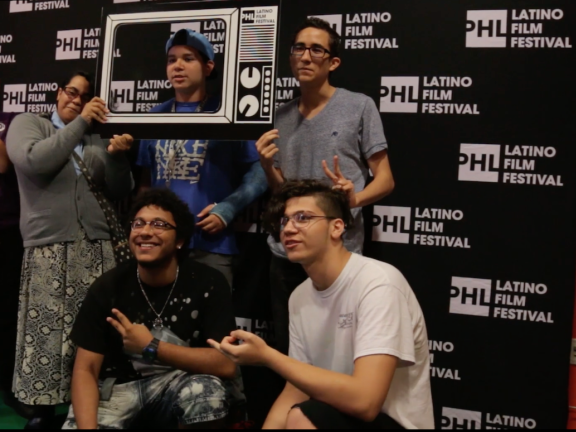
<point>370,309</point>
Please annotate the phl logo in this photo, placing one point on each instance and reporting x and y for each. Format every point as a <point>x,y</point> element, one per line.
<point>479,162</point>
<point>122,96</point>
<point>483,163</point>
<point>14,98</point>
<point>391,224</point>
<point>78,43</point>
<point>486,28</point>
<point>454,418</point>
<point>439,94</point>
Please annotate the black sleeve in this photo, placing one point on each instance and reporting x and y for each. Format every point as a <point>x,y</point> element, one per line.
<point>218,314</point>
<point>91,330</point>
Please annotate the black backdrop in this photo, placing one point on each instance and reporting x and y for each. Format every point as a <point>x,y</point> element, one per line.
<point>491,258</point>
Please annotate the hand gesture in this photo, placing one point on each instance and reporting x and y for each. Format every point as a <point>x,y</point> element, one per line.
<point>340,182</point>
<point>253,350</point>
<point>120,143</point>
<point>135,337</point>
<point>212,224</point>
<point>95,110</point>
<point>267,149</point>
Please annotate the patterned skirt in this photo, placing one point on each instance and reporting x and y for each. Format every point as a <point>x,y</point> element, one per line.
<point>55,279</point>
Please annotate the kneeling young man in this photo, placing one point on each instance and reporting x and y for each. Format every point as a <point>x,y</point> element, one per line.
<point>358,353</point>
<point>142,332</point>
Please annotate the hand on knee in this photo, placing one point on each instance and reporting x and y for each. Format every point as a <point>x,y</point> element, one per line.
<point>297,420</point>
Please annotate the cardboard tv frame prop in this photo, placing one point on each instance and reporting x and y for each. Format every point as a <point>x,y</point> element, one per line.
<point>249,71</point>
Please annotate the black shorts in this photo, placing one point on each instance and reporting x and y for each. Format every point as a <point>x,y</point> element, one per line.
<point>324,416</point>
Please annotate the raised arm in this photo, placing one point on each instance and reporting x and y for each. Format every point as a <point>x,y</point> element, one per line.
<point>267,149</point>
<point>33,152</point>
<point>85,394</point>
<point>383,182</point>
<point>119,180</point>
<point>360,395</point>
<point>5,163</point>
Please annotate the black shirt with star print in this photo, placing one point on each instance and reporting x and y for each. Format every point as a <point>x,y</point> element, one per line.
<point>199,308</point>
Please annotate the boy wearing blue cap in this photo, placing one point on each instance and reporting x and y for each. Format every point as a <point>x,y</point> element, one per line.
<point>217,179</point>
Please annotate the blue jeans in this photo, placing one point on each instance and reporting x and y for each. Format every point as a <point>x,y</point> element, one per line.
<point>170,399</point>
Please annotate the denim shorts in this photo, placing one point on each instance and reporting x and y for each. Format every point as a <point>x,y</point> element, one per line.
<point>170,399</point>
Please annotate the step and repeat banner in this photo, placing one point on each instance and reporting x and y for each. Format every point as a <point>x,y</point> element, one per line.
<point>477,101</point>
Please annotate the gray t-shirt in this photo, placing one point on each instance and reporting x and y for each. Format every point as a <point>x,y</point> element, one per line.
<point>349,127</point>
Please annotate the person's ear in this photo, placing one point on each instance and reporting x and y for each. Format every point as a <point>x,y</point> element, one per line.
<point>338,228</point>
<point>334,63</point>
<point>208,68</point>
<point>59,94</point>
<point>179,245</point>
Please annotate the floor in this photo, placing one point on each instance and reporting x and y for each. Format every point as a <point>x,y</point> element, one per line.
<point>10,420</point>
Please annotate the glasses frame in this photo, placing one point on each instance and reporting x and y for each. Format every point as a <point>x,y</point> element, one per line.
<point>168,226</point>
<point>285,219</point>
<point>309,49</point>
<point>85,98</point>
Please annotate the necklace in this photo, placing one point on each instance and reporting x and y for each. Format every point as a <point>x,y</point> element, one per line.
<point>157,324</point>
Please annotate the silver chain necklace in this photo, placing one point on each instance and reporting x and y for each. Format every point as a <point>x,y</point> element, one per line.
<point>157,324</point>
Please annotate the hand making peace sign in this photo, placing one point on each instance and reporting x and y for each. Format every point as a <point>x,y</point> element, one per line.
<point>340,182</point>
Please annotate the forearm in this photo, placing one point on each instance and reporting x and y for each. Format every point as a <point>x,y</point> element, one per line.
<point>253,185</point>
<point>341,391</point>
<point>276,418</point>
<point>85,399</point>
<point>196,360</point>
<point>119,181</point>
<point>36,154</point>
<point>4,160</point>
<point>274,178</point>
<point>377,189</point>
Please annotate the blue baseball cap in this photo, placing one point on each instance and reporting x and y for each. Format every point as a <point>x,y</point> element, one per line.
<point>192,39</point>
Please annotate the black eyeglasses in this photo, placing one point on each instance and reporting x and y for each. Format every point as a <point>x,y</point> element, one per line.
<point>298,50</point>
<point>158,226</point>
<point>301,220</point>
<point>73,93</point>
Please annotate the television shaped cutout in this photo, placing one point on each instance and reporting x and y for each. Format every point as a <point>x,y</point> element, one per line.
<point>133,77</point>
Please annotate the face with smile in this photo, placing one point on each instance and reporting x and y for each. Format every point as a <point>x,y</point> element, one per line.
<point>72,98</point>
<point>186,69</point>
<point>152,246</point>
<point>308,239</point>
<point>306,68</point>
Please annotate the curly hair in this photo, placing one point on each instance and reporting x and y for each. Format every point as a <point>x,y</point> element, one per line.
<point>332,202</point>
<point>321,25</point>
<point>168,201</point>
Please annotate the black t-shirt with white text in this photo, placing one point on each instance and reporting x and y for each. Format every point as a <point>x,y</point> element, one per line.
<point>199,308</point>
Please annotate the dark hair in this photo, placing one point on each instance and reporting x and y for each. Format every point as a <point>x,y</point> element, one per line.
<point>332,202</point>
<point>83,74</point>
<point>322,25</point>
<point>168,201</point>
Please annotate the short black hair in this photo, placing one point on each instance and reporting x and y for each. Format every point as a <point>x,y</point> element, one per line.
<point>86,75</point>
<point>333,203</point>
<point>322,25</point>
<point>168,201</point>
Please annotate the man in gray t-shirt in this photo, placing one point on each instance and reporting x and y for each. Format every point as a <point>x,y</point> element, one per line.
<point>328,133</point>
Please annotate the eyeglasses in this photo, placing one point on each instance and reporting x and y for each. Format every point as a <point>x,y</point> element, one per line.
<point>298,50</point>
<point>300,220</point>
<point>158,226</point>
<point>73,93</point>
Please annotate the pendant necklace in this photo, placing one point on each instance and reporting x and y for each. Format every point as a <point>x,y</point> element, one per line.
<point>157,324</point>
